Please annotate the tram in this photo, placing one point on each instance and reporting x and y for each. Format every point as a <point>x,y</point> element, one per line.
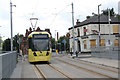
<point>39,46</point>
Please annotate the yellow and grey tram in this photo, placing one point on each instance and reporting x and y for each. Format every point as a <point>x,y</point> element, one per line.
<point>39,46</point>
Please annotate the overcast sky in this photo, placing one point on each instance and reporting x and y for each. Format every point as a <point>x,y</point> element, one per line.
<point>52,14</point>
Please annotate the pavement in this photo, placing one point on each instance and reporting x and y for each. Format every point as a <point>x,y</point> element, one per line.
<point>101,61</point>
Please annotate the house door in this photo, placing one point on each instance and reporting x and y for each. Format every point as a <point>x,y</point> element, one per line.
<point>79,47</point>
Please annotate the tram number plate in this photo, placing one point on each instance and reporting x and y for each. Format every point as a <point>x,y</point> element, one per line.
<point>40,54</point>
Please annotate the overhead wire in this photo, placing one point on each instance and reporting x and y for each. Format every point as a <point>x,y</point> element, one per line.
<point>58,13</point>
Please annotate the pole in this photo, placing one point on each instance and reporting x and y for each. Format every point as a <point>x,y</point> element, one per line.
<point>99,23</point>
<point>73,30</point>
<point>55,40</point>
<point>11,26</point>
<point>109,23</point>
<point>109,30</point>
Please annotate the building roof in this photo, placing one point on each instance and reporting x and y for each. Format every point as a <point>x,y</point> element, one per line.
<point>94,20</point>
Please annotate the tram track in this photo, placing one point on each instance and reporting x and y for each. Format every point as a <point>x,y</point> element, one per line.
<point>53,67</point>
<point>40,72</point>
<point>103,68</point>
<point>87,70</point>
<point>60,72</point>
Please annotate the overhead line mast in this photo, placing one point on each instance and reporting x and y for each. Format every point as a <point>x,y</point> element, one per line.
<point>11,24</point>
<point>73,30</point>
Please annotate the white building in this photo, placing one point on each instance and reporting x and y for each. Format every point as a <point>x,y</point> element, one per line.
<point>119,7</point>
<point>87,33</point>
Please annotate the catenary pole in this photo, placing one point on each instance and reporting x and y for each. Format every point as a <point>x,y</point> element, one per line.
<point>109,23</point>
<point>73,30</point>
<point>99,22</point>
<point>11,25</point>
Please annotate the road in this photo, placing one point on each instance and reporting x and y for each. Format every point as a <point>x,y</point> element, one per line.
<point>62,66</point>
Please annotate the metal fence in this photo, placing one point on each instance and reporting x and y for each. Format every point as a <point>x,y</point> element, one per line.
<point>106,52</point>
<point>7,64</point>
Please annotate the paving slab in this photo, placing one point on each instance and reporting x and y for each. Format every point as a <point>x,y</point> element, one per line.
<point>101,61</point>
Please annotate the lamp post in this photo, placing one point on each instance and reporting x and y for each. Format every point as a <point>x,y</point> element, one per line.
<point>109,31</point>
<point>55,40</point>
<point>11,24</point>
<point>73,30</point>
<point>109,24</point>
<point>99,22</point>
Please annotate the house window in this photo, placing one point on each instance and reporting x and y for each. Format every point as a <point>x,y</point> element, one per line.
<point>115,29</point>
<point>78,32</point>
<point>85,30</point>
<point>116,42</point>
<point>92,43</point>
<point>102,42</point>
<point>85,44</point>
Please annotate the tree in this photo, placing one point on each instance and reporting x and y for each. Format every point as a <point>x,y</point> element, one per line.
<point>0,41</point>
<point>15,42</point>
<point>118,16</point>
<point>6,45</point>
<point>112,13</point>
<point>53,43</point>
<point>105,12</point>
<point>87,17</point>
<point>62,44</point>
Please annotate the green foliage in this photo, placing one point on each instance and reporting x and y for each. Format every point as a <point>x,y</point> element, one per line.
<point>53,43</point>
<point>105,12</point>
<point>15,42</point>
<point>118,16</point>
<point>0,41</point>
<point>112,13</point>
<point>6,45</point>
<point>87,17</point>
<point>62,44</point>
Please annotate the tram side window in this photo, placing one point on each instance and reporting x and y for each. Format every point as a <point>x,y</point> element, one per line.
<point>30,43</point>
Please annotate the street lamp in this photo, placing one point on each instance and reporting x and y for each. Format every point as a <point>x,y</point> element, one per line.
<point>11,24</point>
<point>99,22</point>
<point>73,30</point>
<point>55,40</point>
<point>109,24</point>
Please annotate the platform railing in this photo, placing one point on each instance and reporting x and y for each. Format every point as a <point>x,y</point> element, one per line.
<point>111,52</point>
<point>8,61</point>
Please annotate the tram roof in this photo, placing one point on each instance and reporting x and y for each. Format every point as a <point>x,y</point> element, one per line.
<point>40,32</point>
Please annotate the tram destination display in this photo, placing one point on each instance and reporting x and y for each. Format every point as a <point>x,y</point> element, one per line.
<point>38,36</point>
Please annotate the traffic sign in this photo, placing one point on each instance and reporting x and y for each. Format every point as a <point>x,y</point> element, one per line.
<point>67,35</point>
<point>76,39</point>
<point>64,41</point>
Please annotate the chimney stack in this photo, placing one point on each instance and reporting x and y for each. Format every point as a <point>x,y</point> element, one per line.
<point>77,22</point>
<point>48,30</point>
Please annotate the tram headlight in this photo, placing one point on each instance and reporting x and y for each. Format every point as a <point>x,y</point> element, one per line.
<point>47,54</point>
<point>34,54</point>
